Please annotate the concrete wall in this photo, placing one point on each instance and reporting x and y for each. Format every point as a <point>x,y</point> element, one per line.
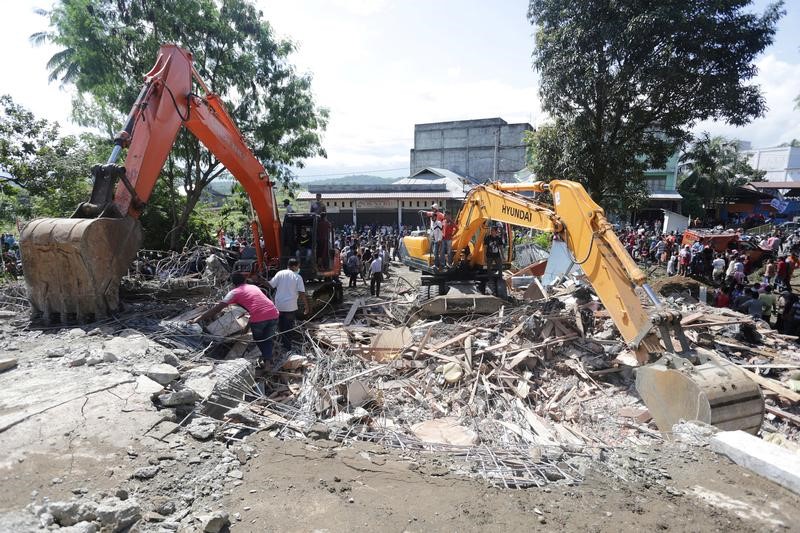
<point>780,163</point>
<point>471,147</point>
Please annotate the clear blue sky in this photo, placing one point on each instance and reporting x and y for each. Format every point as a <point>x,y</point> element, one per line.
<point>381,66</point>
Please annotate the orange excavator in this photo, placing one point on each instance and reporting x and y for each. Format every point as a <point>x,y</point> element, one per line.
<point>73,266</point>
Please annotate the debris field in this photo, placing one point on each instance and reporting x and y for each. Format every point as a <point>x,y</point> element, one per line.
<point>538,394</point>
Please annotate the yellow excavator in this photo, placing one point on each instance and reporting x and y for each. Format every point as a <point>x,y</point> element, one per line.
<point>675,384</point>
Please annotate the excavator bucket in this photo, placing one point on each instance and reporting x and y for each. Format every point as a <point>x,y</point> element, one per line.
<point>73,266</point>
<point>715,392</point>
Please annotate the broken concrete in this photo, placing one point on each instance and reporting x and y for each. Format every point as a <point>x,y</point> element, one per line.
<point>231,321</point>
<point>7,363</point>
<point>765,459</point>
<point>162,373</point>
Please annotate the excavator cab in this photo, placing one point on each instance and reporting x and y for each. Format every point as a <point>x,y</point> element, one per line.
<point>302,239</point>
<point>309,238</point>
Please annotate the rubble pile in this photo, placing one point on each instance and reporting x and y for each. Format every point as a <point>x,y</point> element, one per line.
<point>535,393</point>
<point>521,397</point>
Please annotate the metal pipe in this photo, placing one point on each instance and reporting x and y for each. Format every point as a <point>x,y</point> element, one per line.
<point>651,294</point>
<point>114,154</point>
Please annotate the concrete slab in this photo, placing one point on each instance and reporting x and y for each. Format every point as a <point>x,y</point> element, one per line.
<point>7,363</point>
<point>768,460</point>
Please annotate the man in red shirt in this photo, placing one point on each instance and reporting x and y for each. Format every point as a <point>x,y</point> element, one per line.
<point>263,313</point>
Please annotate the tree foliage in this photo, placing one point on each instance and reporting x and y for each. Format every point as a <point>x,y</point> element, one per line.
<point>624,81</point>
<point>711,169</point>
<point>107,45</point>
<point>50,172</point>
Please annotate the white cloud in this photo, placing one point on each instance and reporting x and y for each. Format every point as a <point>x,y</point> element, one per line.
<point>780,84</point>
<point>361,7</point>
<point>453,72</point>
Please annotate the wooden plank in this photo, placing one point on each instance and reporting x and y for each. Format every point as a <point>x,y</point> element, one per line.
<point>457,338</point>
<point>774,386</point>
<point>737,346</point>
<point>423,342</point>
<point>468,353</point>
<point>783,414</point>
<point>692,318</point>
<point>715,324</point>
<point>442,357</point>
<point>513,333</point>
<point>352,313</point>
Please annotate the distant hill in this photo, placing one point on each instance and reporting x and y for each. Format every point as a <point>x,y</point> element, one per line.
<point>357,179</point>
<point>223,186</point>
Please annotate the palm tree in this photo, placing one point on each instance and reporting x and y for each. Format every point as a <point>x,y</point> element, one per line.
<point>712,168</point>
<point>61,65</point>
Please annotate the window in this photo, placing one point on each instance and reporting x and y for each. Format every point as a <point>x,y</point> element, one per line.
<point>417,203</point>
<point>351,204</point>
<point>656,184</point>
<point>403,203</point>
<point>328,204</point>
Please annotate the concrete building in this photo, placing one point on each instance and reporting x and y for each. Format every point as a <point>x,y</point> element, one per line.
<point>662,184</point>
<point>781,163</point>
<point>482,150</point>
<point>397,203</point>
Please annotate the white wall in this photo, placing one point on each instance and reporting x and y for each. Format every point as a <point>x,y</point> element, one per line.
<point>780,164</point>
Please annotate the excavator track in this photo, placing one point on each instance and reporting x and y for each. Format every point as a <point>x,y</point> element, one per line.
<point>73,266</point>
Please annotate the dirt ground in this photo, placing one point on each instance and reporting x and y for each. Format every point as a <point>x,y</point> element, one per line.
<point>307,487</point>
<point>68,432</point>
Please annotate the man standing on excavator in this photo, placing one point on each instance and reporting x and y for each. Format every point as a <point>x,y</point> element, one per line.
<point>437,232</point>
<point>493,248</point>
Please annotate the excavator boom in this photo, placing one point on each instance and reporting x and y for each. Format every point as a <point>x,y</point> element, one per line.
<point>73,266</point>
<point>676,386</point>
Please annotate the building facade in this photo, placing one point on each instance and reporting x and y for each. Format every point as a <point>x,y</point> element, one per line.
<point>482,150</point>
<point>781,163</point>
<point>395,204</point>
<point>663,184</point>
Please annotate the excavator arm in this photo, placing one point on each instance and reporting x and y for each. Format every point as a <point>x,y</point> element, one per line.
<point>677,386</point>
<point>73,267</point>
<point>578,221</point>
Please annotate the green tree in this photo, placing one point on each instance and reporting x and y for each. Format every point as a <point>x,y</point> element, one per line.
<point>105,45</point>
<point>712,169</point>
<point>624,81</point>
<point>50,171</point>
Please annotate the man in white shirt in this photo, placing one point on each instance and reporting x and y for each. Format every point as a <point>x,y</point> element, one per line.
<point>288,285</point>
<point>718,268</point>
<point>376,275</point>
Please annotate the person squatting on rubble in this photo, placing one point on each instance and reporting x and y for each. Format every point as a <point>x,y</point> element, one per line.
<point>263,314</point>
<point>288,285</point>
<point>376,276</point>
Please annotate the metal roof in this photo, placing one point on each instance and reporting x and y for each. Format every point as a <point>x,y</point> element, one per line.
<point>381,195</point>
<point>775,184</point>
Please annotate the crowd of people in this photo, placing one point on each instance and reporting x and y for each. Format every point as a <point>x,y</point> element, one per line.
<point>11,258</point>
<point>758,286</point>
